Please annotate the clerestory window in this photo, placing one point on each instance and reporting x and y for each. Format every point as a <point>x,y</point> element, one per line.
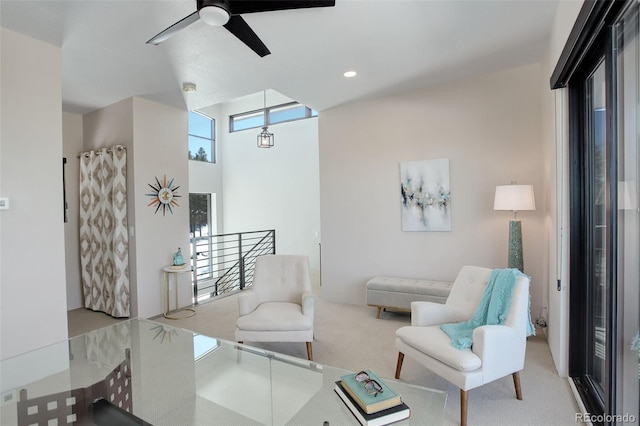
<point>270,115</point>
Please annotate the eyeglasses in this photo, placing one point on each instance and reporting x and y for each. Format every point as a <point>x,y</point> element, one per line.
<point>370,385</point>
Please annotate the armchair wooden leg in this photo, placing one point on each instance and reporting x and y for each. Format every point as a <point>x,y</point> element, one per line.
<point>378,312</point>
<point>399,365</point>
<point>463,407</point>
<point>309,352</point>
<point>516,383</point>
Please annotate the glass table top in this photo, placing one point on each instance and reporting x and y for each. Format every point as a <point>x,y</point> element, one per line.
<point>165,375</point>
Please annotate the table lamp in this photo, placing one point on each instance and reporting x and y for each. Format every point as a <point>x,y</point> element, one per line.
<point>515,198</point>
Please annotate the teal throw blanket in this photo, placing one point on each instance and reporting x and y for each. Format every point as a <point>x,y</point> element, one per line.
<point>492,310</point>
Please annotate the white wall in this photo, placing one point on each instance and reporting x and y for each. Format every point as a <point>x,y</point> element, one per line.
<point>71,146</point>
<point>32,262</point>
<point>160,145</point>
<point>489,129</point>
<point>275,188</point>
<point>554,127</point>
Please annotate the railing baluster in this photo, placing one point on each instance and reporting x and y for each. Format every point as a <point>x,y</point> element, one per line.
<point>273,238</point>
<point>240,261</point>
<point>194,268</point>
<point>229,262</point>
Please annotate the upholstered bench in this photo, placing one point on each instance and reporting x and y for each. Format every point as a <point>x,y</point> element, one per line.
<point>398,293</point>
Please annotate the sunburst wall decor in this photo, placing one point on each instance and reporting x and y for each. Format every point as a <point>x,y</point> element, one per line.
<point>164,195</point>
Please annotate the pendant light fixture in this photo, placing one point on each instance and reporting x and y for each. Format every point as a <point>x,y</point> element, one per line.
<point>265,138</point>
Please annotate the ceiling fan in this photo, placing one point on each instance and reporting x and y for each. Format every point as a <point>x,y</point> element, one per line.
<point>227,13</point>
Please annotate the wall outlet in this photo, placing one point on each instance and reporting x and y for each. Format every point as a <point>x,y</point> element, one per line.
<point>4,203</point>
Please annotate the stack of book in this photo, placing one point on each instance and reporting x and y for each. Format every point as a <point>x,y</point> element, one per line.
<point>371,409</point>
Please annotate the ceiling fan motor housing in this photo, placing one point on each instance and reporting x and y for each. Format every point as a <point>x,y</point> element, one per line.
<point>214,12</point>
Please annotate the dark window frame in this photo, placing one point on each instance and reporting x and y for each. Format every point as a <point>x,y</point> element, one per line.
<point>589,42</point>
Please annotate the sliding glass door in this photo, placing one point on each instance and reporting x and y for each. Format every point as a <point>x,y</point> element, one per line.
<point>596,184</point>
<point>604,111</point>
<point>627,95</point>
<point>590,230</point>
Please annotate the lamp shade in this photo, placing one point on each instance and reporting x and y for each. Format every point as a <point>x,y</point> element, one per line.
<point>514,198</point>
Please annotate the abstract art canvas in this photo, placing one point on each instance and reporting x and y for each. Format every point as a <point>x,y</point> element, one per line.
<point>425,195</point>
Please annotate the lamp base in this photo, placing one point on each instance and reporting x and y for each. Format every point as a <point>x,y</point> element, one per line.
<point>515,245</point>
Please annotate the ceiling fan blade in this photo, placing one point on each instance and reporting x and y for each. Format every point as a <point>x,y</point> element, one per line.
<point>239,28</point>
<point>180,25</point>
<point>239,7</point>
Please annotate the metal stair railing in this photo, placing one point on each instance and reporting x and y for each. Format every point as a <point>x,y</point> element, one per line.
<point>223,264</point>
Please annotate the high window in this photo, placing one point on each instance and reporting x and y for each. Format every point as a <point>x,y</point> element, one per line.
<point>202,133</point>
<point>200,215</point>
<point>270,115</point>
<point>202,224</point>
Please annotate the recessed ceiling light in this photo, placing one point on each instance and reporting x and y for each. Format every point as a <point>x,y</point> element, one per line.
<point>350,74</point>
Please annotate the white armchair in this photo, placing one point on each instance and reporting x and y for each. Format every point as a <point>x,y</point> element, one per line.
<point>497,351</point>
<point>279,306</point>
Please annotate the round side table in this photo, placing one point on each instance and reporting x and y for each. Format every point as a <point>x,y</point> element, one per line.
<point>186,311</point>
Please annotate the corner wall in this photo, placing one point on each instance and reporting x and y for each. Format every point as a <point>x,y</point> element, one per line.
<point>160,143</point>
<point>72,145</point>
<point>489,129</point>
<point>33,303</point>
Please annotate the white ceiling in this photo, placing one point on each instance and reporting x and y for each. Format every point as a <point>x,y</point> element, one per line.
<point>395,45</point>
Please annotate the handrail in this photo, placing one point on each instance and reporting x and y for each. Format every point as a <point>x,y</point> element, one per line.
<point>240,266</point>
<point>230,270</point>
<point>240,233</point>
<point>224,263</point>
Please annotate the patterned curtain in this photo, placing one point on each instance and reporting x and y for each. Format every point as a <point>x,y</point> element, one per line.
<point>104,242</point>
<point>106,347</point>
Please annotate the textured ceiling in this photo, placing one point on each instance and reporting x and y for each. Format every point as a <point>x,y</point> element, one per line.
<point>394,45</point>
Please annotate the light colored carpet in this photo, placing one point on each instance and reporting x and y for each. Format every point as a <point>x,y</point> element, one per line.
<point>351,337</point>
